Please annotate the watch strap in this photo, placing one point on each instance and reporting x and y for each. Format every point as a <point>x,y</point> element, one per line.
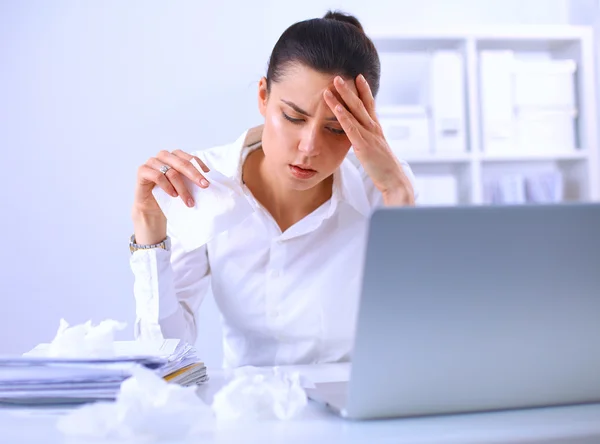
<point>133,246</point>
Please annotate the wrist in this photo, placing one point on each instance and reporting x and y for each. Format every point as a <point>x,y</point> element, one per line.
<point>149,229</point>
<point>399,193</point>
<point>397,190</point>
<point>398,198</point>
<point>134,246</point>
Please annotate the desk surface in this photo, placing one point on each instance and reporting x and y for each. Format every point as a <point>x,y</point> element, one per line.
<point>574,424</point>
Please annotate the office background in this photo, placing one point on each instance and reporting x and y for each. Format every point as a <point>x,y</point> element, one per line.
<point>90,90</point>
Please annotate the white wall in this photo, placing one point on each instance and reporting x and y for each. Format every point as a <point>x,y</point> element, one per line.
<point>89,90</point>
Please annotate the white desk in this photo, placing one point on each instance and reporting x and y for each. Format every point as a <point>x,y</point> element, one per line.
<point>564,425</point>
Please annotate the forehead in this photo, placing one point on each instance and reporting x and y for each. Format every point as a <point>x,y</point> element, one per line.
<point>301,80</point>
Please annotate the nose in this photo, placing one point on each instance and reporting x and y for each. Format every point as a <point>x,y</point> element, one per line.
<point>310,142</point>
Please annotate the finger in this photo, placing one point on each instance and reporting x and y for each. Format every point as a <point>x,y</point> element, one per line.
<point>366,95</point>
<point>354,103</point>
<point>184,167</point>
<point>349,124</point>
<point>189,158</point>
<point>175,178</point>
<point>154,176</point>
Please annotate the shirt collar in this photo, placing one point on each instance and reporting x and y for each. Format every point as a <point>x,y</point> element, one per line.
<point>348,183</point>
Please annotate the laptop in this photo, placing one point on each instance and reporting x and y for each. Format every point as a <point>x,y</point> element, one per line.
<point>467,309</point>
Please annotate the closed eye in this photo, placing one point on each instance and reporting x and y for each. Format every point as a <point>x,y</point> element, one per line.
<point>291,119</point>
<point>337,132</point>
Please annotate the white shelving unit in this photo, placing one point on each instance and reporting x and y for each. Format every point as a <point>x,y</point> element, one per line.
<point>579,168</point>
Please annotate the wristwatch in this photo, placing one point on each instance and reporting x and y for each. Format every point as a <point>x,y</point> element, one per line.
<point>133,247</point>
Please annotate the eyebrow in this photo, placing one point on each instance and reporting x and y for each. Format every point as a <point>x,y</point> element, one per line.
<point>304,113</point>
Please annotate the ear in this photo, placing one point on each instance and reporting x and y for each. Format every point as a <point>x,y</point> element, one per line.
<point>263,96</point>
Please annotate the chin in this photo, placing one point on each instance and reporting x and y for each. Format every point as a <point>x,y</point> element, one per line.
<point>303,185</point>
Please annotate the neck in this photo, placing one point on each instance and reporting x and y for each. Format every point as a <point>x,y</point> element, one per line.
<point>287,206</point>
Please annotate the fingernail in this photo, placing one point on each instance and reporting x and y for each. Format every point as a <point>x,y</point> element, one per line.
<point>328,93</point>
<point>204,182</point>
<point>341,80</point>
<point>362,78</point>
<point>340,108</point>
<point>190,202</point>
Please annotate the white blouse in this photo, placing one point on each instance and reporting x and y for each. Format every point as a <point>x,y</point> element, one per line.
<point>284,298</point>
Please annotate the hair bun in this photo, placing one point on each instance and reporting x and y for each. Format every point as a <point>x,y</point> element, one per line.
<point>346,18</point>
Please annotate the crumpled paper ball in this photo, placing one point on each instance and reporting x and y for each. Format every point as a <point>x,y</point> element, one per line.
<point>260,394</point>
<point>85,340</point>
<point>147,407</point>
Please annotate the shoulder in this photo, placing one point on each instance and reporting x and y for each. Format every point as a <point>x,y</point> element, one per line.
<point>227,158</point>
<point>223,158</point>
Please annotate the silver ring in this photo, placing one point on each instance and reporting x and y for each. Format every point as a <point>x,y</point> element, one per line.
<point>163,169</point>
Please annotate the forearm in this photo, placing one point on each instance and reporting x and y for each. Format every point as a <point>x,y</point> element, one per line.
<point>169,287</point>
<point>154,292</point>
<point>179,325</point>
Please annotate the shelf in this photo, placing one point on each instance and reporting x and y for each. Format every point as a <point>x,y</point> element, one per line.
<point>516,37</point>
<point>394,44</point>
<point>444,35</point>
<point>534,157</point>
<point>406,58</point>
<point>437,158</point>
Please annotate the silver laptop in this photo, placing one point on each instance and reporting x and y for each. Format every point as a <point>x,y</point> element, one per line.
<point>475,308</point>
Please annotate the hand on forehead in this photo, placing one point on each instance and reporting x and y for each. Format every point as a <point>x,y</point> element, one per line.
<point>304,87</point>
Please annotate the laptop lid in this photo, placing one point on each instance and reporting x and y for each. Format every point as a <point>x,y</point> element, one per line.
<point>477,308</point>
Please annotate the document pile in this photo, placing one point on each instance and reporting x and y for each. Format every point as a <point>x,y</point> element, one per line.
<point>40,378</point>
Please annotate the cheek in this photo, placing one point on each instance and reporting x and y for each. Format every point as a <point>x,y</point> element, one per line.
<point>274,122</point>
<point>278,129</point>
<point>340,148</point>
<point>334,155</point>
<point>277,138</point>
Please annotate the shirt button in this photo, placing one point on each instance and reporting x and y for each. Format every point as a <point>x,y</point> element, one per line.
<point>274,313</point>
<point>274,273</point>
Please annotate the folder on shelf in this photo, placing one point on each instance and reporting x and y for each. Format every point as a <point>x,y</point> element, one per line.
<point>497,100</point>
<point>447,101</point>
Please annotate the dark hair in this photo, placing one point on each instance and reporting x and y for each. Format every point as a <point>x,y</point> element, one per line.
<point>335,44</point>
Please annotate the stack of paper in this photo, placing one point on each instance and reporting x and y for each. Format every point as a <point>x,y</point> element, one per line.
<point>184,367</point>
<point>27,381</point>
<point>38,379</point>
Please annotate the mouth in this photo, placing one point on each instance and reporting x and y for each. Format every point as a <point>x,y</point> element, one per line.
<point>302,171</point>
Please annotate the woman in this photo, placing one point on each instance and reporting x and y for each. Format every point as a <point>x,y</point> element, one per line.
<point>287,280</point>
